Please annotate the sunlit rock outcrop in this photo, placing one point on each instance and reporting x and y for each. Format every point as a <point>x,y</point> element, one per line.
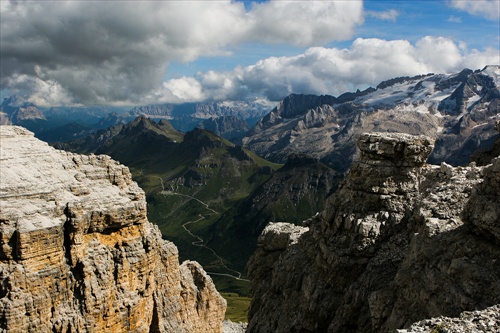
<point>77,253</point>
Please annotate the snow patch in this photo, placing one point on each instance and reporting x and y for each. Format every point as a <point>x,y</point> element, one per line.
<point>472,100</point>
<point>407,98</point>
<point>494,72</point>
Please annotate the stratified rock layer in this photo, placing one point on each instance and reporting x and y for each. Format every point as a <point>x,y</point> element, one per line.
<point>77,253</point>
<point>400,241</point>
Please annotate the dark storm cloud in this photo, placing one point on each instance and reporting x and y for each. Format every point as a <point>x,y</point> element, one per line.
<point>102,52</point>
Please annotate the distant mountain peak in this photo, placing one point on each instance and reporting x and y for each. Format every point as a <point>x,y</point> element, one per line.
<point>232,128</point>
<point>16,111</point>
<point>203,138</point>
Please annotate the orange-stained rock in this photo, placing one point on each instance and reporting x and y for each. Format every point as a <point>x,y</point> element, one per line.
<point>77,253</point>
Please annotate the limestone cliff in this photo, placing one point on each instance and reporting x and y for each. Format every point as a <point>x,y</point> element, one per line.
<point>77,253</point>
<point>400,241</point>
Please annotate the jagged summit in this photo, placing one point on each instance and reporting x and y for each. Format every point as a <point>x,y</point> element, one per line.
<point>133,143</point>
<point>402,79</point>
<point>143,124</point>
<point>458,110</point>
<point>295,105</point>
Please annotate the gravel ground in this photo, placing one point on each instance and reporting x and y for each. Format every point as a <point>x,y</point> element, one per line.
<point>230,327</point>
<point>487,320</point>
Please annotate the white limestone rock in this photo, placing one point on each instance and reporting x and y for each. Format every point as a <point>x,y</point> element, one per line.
<point>77,253</point>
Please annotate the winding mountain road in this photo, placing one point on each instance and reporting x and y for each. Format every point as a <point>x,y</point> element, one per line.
<point>200,242</point>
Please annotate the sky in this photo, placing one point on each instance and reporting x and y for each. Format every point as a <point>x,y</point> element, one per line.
<point>123,53</point>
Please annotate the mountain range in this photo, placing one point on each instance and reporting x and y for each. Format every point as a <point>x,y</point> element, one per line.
<point>458,110</point>
<point>186,116</point>
<point>230,120</point>
<point>313,136</point>
<point>214,197</point>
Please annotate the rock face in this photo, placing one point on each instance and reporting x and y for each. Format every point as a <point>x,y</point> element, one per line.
<point>293,193</point>
<point>400,241</point>
<point>229,127</point>
<point>78,254</point>
<point>485,157</point>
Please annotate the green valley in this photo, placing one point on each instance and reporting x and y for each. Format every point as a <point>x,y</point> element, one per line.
<point>211,197</point>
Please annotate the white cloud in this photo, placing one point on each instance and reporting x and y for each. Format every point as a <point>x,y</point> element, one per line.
<point>478,59</point>
<point>334,71</point>
<point>304,22</point>
<point>44,93</point>
<point>438,54</point>
<point>103,52</point>
<point>455,19</point>
<point>388,15</point>
<point>489,9</point>
<point>185,89</point>
<point>117,52</point>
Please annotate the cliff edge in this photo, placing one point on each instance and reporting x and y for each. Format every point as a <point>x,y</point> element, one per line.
<point>77,253</point>
<point>400,241</point>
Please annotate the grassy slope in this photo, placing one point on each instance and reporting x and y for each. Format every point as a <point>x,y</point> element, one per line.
<point>226,180</point>
<point>225,185</point>
<point>293,194</point>
<point>237,307</point>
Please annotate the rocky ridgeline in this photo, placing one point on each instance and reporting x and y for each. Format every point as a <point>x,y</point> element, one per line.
<point>77,253</point>
<point>458,110</point>
<point>400,241</point>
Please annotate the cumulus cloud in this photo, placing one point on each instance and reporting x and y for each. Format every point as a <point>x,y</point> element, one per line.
<point>333,71</point>
<point>489,9</point>
<point>44,93</point>
<point>103,52</point>
<point>304,22</point>
<point>388,15</point>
